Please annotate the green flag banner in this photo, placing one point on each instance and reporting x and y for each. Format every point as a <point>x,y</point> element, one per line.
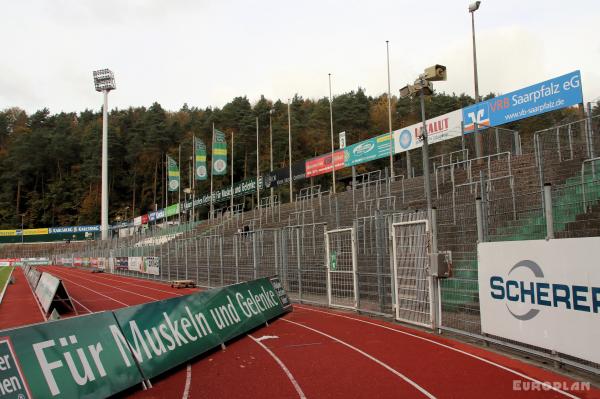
<point>219,154</point>
<point>173,172</point>
<point>200,160</point>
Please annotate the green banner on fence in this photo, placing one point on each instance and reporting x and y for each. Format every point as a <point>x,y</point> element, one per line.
<point>165,334</point>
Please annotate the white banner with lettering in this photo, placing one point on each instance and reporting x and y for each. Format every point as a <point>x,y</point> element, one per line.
<point>543,293</point>
<point>440,128</point>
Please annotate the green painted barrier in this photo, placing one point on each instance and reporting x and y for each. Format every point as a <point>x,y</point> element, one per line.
<point>167,333</point>
<point>98,355</point>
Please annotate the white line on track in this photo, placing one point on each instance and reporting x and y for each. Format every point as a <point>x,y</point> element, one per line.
<point>112,286</point>
<point>188,381</point>
<point>282,365</point>
<point>95,292</point>
<point>121,280</point>
<point>544,384</point>
<point>384,365</point>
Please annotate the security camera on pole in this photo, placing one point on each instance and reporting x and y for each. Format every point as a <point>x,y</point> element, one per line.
<point>423,87</point>
<point>104,81</point>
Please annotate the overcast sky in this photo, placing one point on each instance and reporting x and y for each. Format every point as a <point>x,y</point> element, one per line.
<point>204,53</point>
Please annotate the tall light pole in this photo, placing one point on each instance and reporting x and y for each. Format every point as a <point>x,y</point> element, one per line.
<point>478,139</point>
<point>271,111</point>
<point>332,147</point>
<point>387,45</point>
<point>257,171</point>
<point>290,152</point>
<point>104,81</point>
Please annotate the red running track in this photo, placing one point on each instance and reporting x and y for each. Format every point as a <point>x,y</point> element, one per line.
<point>317,353</point>
<point>19,306</point>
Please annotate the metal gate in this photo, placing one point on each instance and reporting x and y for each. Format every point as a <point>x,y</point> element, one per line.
<point>341,268</point>
<point>412,280</point>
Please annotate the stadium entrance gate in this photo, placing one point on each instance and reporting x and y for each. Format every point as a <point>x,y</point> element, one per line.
<point>342,281</point>
<point>412,281</point>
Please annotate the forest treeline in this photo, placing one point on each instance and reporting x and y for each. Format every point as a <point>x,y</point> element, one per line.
<point>50,163</point>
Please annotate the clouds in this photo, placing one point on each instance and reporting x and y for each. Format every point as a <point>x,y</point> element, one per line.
<point>206,52</point>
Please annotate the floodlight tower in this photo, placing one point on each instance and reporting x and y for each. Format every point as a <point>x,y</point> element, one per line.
<point>104,81</point>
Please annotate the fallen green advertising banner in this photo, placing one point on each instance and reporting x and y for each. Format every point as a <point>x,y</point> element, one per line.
<point>167,333</point>
<point>69,358</point>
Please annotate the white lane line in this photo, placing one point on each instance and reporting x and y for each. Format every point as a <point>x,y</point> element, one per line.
<point>188,382</point>
<point>120,280</point>
<point>95,292</point>
<point>264,337</point>
<point>117,288</point>
<point>282,365</point>
<point>384,365</point>
<point>544,384</point>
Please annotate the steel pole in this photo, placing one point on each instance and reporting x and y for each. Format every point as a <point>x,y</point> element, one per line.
<point>290,153</point>
<point>478,138</point>
<point>425,151</point>
<point>104,199</point>
<point>332,147</point>
<point>257,172</point>
<point>387,44</point>
<point>271,149</point>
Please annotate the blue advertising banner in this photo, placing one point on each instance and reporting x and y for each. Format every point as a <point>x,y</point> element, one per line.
<point>367,150</point>
<point>550,95</point>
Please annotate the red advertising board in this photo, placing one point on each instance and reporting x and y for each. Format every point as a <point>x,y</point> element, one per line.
<point>144,219</point>
<point>323,164</point>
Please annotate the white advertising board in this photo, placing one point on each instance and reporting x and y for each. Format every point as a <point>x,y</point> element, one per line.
<point>135,263</point>
<point>46,289</point>
<point>543,293</point>
<point>440,128</point>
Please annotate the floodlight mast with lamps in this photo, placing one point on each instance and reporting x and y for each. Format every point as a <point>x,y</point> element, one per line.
<point>104,81</point>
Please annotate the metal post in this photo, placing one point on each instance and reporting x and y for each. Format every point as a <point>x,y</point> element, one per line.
<point>332,147</point>
<point>478,138</point>
<point>387,44</point>
<point>479,212</point>
<point>590,131</point>
<point>290,153</point>
<point>104,199</point>
<point>231,202</point>
<point>548,211</point>
<point>257,171</point>
<point>517,140</point>
<point>271,148</point>
<point>425,150</point>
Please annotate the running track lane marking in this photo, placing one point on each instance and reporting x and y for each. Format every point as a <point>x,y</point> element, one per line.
<point>35,297</point>
<point>117,288</point>
<point>282,365</point>
<point>389,368</point>
<point>188,381</point>
<point>121,280</point>
<point>449,347</point>
<point>96,292</point>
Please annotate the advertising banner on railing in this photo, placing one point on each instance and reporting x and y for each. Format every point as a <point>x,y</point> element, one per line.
<point>440,128</point>
<point>282,176</point>
<point>135,263</point>
<point>324,164</point>
<point>543,293</point>
<point>151,265</point>
<point>550,95</point>
<point>121,263</point>
<point>165,334</point>
<point>171,210</point>
<point>8,233</point>
<point>367,150</point>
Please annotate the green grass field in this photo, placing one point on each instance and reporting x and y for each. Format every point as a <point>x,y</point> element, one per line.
<point>4,275</point>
